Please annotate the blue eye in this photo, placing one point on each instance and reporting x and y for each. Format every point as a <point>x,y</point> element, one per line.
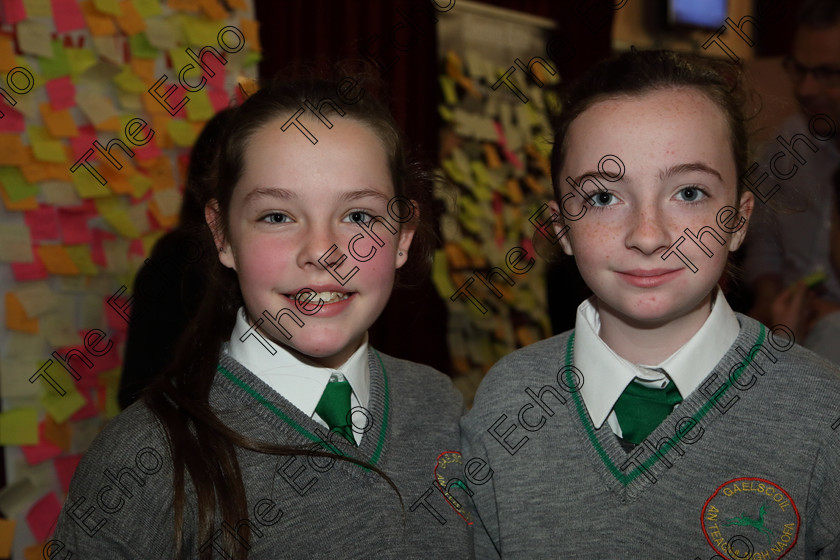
<point>691,193</point>
<point>275,218</point>
<point>359,216</point>
<point>601,199</point>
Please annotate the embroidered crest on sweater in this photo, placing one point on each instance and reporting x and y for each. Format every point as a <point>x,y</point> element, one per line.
<point>750,518</point>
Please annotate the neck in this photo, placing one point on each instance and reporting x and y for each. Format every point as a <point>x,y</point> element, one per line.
<point>650,343</point>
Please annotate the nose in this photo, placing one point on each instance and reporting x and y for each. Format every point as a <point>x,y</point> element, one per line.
<point>319,246</point>
<point>648,231</point>
<point>807,86</point>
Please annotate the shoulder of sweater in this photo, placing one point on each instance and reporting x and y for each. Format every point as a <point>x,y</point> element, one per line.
<point>420,380</point>
<point>126,435</point>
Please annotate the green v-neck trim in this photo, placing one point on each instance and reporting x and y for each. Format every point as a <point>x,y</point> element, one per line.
<point>303,431</point>
<point>627,478</point>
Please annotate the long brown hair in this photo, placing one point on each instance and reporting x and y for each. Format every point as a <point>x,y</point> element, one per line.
<point>201,445</point>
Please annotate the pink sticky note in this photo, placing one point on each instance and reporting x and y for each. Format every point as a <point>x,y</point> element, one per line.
<point>117,310</point>
<point>12,121</point>
<point>42,223</point>
<point>13,11</point>
<point>64,469</point>
<point>217,81</point>
<point>97,247</point>
<point>67,15</point>
<point>136,247</point>
<point>44,450</point>
<point>218,99</point>
<point>62,93</point>
<point>74,228</point>
<point>84,141</point>
<point>43,516</point>
<point>30,271</point>
<point>149,151</point>
<point>89,410</point>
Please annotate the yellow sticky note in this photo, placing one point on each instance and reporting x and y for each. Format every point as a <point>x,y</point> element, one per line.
<point>14,378</point>
<point>19,426</point>
<point>79,60</point>
<point>108,7</point>
<point>140,184</point>
<point>96,107</point>
<point>199,109</point>
<point>447,85</point>
<point>38,8</point>
<point>129,81</point>
<point>114,210</point>
<point>182,132</point>
<point>56,260</point>
<point>109,49</point>
<point>147,8</point>
<point>200,32</point>
<point>60,330</point>
<point>15,243</point>
<point>81,257</point>
<point>163,34</point>
<point>87,186</point>
<point>45,147</point>
<point>62,407</point>
<point>37,298</point>
<point>59,193</point>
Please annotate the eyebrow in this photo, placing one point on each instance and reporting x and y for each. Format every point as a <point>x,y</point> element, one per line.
<point>688,168</point>
<point>285,194</point>
<point>273,192</point>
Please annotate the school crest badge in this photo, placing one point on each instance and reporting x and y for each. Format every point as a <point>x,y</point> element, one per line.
<point>749,518</point>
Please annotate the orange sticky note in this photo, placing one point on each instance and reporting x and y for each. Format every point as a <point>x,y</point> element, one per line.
<point>13,152</point>
<point>213,9</point>
<point>183,5</point>
<point>7,53</point>
<point>58,434</point>
<point>164,220</point>
<point>56,260</point>
<point>131,22</point>
<point>7,535</point>
<point>144,68</point>
<point>98,23</point>
<point>59,123</point>
<point>16,318</point>
<point>251,30</point>
<point>111,124</point>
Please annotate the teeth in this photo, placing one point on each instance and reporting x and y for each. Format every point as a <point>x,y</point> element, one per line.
<point>328,297</point>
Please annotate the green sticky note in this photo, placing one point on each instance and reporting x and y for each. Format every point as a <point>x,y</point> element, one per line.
<point>199,32</point>
<point>129,81</point>
<point>44,146</point>
<point>79,60</point>
<point>58,65</point>
<point>141,47</point>
<point>199,108</point>
<point>62,407</point>
<point>147,8</point>
<point>447,85</point>
<point>180,59</point>
<point>141,184</point>
<point>82,258</point>
<point>182,132</point>
<point>15,185</point>
<point>815,279</point>
<point>19,426</point>
<point>251,58</point>
<point>87,186</point>
<point>108,7</point>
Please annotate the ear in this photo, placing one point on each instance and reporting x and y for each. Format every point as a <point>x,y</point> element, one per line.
<point>558,225</point>
<point>744,211</point>
<point>213,218</point>
<point>406,235</point>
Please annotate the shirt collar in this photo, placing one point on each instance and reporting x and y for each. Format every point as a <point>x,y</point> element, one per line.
<point>606,374</point>
<point>299,381</point>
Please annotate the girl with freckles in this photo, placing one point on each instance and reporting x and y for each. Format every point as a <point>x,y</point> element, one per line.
<point>624,437</point>
<point>279,431</point>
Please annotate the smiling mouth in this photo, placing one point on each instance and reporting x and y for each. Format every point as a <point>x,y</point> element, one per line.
<point>327,297</point>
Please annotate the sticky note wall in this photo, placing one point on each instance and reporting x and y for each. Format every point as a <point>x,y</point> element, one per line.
<point>100,102</point>
<point>495,152</point>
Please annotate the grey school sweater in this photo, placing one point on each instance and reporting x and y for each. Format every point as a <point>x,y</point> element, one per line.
<point>748,466</point>
<point>120,500</point>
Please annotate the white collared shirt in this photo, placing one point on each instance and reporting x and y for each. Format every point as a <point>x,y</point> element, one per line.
<point>606,374</point>
<point>300,382</point>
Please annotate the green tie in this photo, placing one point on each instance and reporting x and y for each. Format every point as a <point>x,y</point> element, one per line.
<point>334,407</point>
<point>641,409</point>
